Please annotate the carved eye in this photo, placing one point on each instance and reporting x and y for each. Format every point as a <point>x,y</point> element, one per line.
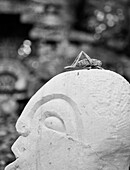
<point>55,123</point>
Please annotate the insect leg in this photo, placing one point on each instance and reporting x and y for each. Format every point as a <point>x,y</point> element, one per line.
<point>73,65</point>
<point>87,57</point>
<point>77,59</point>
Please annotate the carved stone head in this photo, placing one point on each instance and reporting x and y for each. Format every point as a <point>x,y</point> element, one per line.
<point>79,120</point>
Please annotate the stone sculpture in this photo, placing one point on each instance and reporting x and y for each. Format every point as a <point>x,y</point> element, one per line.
<point>79,120</point>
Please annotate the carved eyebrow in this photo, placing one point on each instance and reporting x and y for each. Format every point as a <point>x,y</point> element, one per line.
<point>50,97</point>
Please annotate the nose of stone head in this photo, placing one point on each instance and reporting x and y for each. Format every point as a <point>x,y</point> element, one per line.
<point>22,128</point>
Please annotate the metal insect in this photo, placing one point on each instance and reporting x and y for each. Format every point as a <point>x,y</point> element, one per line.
<point>86,63</point>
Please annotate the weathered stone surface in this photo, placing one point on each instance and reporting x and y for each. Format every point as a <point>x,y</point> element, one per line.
<point>79,120</point>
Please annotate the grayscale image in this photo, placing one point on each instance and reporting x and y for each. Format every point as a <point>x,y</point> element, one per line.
<point>64,84</point>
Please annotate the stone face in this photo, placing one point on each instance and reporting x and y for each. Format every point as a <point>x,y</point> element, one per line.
<point>79,120</point>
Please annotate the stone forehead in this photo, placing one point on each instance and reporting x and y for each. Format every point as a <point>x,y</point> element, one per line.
<point>76,82</point>
<point>85,87</point>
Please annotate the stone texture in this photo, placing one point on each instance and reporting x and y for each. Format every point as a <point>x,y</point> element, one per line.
<point>79,120</point>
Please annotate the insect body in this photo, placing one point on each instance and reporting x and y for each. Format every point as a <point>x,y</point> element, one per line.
<point>96,63</point>
<point>86,63</point>
<point>83,63</point>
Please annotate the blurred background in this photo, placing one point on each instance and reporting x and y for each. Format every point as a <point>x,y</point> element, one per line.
<point>38,38</point>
